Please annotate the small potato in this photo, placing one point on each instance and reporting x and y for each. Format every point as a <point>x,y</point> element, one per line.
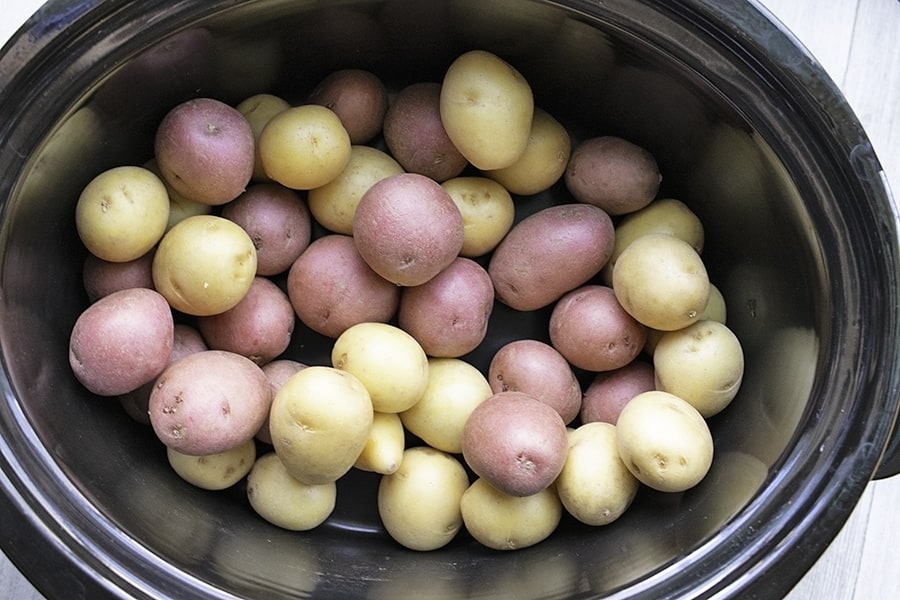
<point>277,372</point>
<point>549,253</point>
<point>122,341</point>
<point>487,212</point>
<point>204,265</point>
<point>592,331</point>
<point>122,213</point>
<point>102,277</point>
<point>609,391</point>
<point>319,422</point>
<point>214,471</point>
<point>454,389</point>
<point>595,486</point>
<point>536,368</point>
<point>419,504</point>
<point>504,522</point>
<point>702,364</point>
<point>716,308</point>
<point>407,228</point>
<point>259,109</point>
<point>544,160</point>
<point>515,442</point>
<point>180,206</point>
<point>384,448</point>
<point>359,99</point>
<point>334,204</point>
<point>277,220</point>
<point>332,288</point>
<point>612,173</point>
<point>486,108</point>
<point>448,314</point>
<point>259,327</point>
<point>304,147</point>
<point>661,281</point>
<point>209,402</point>
<point>285,501</point>
<point>664,441</point>
<point>389,362</point>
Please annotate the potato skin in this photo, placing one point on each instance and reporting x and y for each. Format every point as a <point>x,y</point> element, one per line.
<point>285,501</point>
<point>214,471</point>
<point>550,253</point>
<point>505,522</point>
<point>358,97</point>
<point>102,277</point>
<point>609,391</point>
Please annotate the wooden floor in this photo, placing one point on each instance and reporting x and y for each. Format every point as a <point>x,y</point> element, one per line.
<point>857,43</point>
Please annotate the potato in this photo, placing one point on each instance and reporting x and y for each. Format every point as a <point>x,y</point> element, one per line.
<point>332,288</point>
<point>319,423</point>
<point>664,441</point>
<point>334,204</point>
<point>277,372</point>
<point>486,108</point>
<point>515,442</point>
<point>304,147</point>
<point>716,309</point>
<point>204,265</point>
<point>122,341</point>
<point>592,331</point>
<point>209,402</point>
<point>448,314</point>
<point>618,176</point>
<point>122,213</point>
<point>549,253</point>
<point>205,150</point>
<point>285,501</point>
<point>419,504</point>
<point>215,471</point>
<point>595,486</point>
<point>359,99</point>
<point>487,212</point>
<point>389,362</point>
<point>538,369</point>
<point>102,277</point>
<point>259,327</point>
<point>384,448</point>
<point>609,391</point>
<point>454,389</point>
<point>407,228</point>
<point>277,220</point>
<point>661,281</point>
<point>504,522</point>
<point>702,364</point>
<point>180,206</point>
<point>542,163</point>
<point>415,134</point>
<point>259,109</point>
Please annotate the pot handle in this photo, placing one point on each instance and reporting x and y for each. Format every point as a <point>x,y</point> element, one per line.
<point>890,460</point>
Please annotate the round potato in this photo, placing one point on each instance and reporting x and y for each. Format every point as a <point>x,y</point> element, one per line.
<point>609,391</point>
<point>204,265</point>
<point>359,99</point>
<point>384,448</point>
<point>122,213</point>
<point>121,341</point>
<point>716,308</point>
<point>259,109</point>
<point>664,441</point>
<point>214,471</point>
<point>102,277</point>
<point>487,211</point>
<point>277,372</point>
<point>486,108</point>
<point>419,504</point>
<point>284,501</point>
<point>504,522</point>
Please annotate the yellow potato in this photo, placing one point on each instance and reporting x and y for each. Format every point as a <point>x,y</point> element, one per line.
<point>419,504</point>
<point>486,107</point>
<point>180,206</point>
<point>389,362</point>
<point>214,471</point>
<point>320,421</point>
<point>487,212</point>
<point>285,501</point>
<point>384,448</point>
<point>716,308</point>
<point>259,109</point>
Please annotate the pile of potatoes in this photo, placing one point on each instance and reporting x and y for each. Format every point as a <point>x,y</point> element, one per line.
<point>201,261</point>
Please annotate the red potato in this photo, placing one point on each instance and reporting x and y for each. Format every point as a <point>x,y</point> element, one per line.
<point>609,391</point>
<point>359,99</point>
<point>102,277</point>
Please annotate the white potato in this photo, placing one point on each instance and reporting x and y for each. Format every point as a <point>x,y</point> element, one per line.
<point>384,448</point>
<point>505,522</point>
<point>716,308</point>
<point>487,212</point>
<point>214,471</point>
<point>285,501</point>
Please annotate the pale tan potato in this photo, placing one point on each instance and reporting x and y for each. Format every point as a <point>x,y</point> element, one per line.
<point>661,281</point>
<point>389,362</point>
<point>702,364</point>
<point>716,307</point>
<point>664,441</point>
<point>180,206</point>
<point>419,504</point>
<point>285,501</point>
<point>319,423</point>
<point>122,213</point>
<point>454,389</point>
<point>383,451</point>
<point>277,372</point>
<point>486,108</point>
<point>204,265</point>
<point>259,109</point>
<point>503,522</point>
<point>487,212</point>
<point>595,486</point>
<point>214,471</point>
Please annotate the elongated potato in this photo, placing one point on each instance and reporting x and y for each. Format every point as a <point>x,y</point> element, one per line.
<point>383,451</point>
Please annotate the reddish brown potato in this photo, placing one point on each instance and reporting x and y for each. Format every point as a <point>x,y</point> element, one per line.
<point>121,341</point>
<point>609,391</point>
<point>332,288</point>
<point>102,277</point>
<point>537,369</point>
<point>448,315</point>
<point>277,371</point>
<point>591,329</point>
<point>515,442</point>
<point>359,99</point>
